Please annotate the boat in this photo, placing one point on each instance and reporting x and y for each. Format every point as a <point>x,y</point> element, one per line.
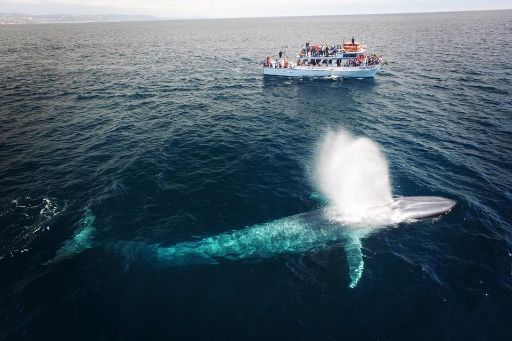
<point>347,60</point>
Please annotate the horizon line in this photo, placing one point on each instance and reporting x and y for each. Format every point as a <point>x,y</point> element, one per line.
<point>338,15</point>
<point>162,18</point>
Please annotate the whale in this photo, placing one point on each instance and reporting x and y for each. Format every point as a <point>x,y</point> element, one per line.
<point>297,234</point>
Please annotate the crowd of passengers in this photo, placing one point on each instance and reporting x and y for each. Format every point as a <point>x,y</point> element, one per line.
<point>319,50</point>
<point>326,50</point>
<point>373,59</point>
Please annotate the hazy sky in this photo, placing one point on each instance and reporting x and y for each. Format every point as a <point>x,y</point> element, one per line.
<point>241,8</point>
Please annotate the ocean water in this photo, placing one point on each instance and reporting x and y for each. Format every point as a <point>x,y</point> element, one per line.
<point>160,133</point>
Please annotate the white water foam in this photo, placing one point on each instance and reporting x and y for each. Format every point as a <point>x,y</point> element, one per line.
<point>352,173</point>
<point>27,218</point>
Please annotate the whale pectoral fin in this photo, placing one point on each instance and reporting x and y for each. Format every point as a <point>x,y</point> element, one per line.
<point>354,254</point>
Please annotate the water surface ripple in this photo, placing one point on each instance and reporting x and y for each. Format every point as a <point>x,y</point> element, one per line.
<point>167,132</point>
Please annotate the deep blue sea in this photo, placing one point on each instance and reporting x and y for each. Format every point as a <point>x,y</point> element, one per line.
<point>157,133</point>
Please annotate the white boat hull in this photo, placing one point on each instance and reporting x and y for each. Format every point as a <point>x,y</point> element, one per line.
<point>312,71</point>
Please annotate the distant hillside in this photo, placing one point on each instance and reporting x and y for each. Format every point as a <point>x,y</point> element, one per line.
<point>20,18</point>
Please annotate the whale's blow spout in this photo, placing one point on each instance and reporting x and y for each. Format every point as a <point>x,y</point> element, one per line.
<point>352,173</point>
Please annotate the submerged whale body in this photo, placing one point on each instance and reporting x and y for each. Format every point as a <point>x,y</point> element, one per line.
<point>353,175</point>
<point>299,233</point>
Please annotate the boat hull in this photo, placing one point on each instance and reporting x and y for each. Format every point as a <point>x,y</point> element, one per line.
<point>332,72</point>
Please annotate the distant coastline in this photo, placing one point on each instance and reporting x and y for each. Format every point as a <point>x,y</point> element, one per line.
<point>22,18</point>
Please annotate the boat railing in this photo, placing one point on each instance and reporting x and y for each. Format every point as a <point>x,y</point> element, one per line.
<point>363,65</point>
